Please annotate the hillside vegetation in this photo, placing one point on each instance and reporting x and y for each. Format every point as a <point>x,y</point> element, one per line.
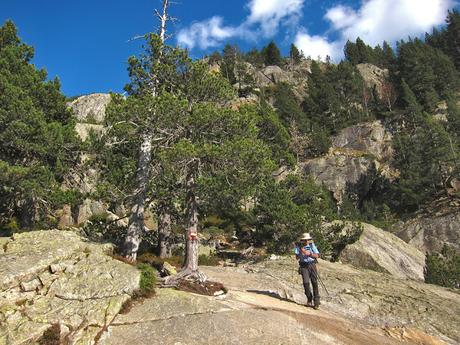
<point>217,129</point>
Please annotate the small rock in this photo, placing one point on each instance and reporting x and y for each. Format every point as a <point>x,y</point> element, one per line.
<point>168,269</point>
<point>30,285</point>
<point>274,257</point>
<point>57,268</point>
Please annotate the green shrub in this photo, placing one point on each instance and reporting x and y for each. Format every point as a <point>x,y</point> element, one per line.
<point>443,268</point>
<point>208,260</point>
<point>10,227</point>
<point>157,262</point>
<point>148,279</point>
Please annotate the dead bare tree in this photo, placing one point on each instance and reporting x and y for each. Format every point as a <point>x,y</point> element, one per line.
<point>136,219</point>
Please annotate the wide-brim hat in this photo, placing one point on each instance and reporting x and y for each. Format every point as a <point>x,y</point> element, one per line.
<point>306,236</point>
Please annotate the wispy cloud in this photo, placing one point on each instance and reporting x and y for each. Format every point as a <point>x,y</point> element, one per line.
<point>375,21</point>
<point>264,19</point>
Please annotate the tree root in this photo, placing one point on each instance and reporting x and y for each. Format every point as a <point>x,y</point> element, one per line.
<point>186,274</point>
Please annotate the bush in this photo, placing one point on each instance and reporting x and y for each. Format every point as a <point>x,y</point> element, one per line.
<point>443,268</point>
<point>157,262</point>
<point>339,235</point>
<point>208,260</point>
<point>148,279</point>
<point>10,227</point>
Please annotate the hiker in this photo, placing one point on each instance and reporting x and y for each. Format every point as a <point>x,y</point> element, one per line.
<point>307,254</point>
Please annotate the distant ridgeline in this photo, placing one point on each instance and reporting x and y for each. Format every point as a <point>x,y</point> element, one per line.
<point>374,138</point>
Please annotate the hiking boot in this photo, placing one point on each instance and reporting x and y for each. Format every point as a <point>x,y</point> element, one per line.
<point>310,304</point>
<point>316,306</point>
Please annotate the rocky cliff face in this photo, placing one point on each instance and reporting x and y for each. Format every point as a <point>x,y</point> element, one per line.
<point>374,77</point>
<point>58,279</point>
<point>359,154</point>
<point>430,231</point>
<point>90,108</point>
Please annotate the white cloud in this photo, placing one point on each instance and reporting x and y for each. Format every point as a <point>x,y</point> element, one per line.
<point>205,34</point>
<point>374,21</point>
<point>317,46</point>
<point>390,20</point>
<point>265,17</point>
<point>269,14</point>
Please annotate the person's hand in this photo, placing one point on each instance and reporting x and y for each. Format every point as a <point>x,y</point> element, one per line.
<point>306,252</point>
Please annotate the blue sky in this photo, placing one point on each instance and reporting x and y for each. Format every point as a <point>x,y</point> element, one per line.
<point>85,43</point>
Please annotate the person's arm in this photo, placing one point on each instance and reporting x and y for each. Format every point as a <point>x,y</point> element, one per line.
<point>297,253</point>
<point>314,251</point>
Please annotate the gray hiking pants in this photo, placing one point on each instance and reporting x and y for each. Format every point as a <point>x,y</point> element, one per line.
<point>310,273</point>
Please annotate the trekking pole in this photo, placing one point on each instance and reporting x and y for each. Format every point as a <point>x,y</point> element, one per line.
<point>316,275</point>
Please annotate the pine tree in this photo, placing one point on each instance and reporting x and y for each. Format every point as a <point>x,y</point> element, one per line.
<point>272,55</point>
<point>219,156</point>
<point>229,60</point>
<point>254,57</point>
<point>430,73</point>
<point>389,57</point>
<point>154,72</point>
<point>37,137</point>
<point>453,37</point>
<point>295,54</point>
<point>351,53</point>
<point>287,107</point>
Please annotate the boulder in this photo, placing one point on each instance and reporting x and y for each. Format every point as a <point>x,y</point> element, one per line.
<point>90,208</point>
<point>54,277</point>
<point>343,174</point>
<point>272,75</point>
<point>90,108</point>
<point>168,269</point>
<point>65,218</point>
<point>383,251</point>
<point>429,232</point>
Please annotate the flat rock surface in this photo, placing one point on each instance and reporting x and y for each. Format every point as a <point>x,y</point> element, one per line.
<point>175,317</point>
<point>57,277</point>
<point>383,251</point>
<point>363,296</point>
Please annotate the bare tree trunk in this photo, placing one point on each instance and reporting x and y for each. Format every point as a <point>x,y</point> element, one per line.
<point>136,220</point>
<point>28,215</point>
<point>191,244</point>
<point>164,233</point>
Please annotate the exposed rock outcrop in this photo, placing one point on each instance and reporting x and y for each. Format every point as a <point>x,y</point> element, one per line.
<point>361,296</point>
<point>383,251</point>
<point>90,108</point>
<point>272,75</point>
<point>240,317</point>
<point>374,77</point>
<point>430,231</point>
<point>84,130</point>
<point>58,278</point>
<point>359,154</point>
